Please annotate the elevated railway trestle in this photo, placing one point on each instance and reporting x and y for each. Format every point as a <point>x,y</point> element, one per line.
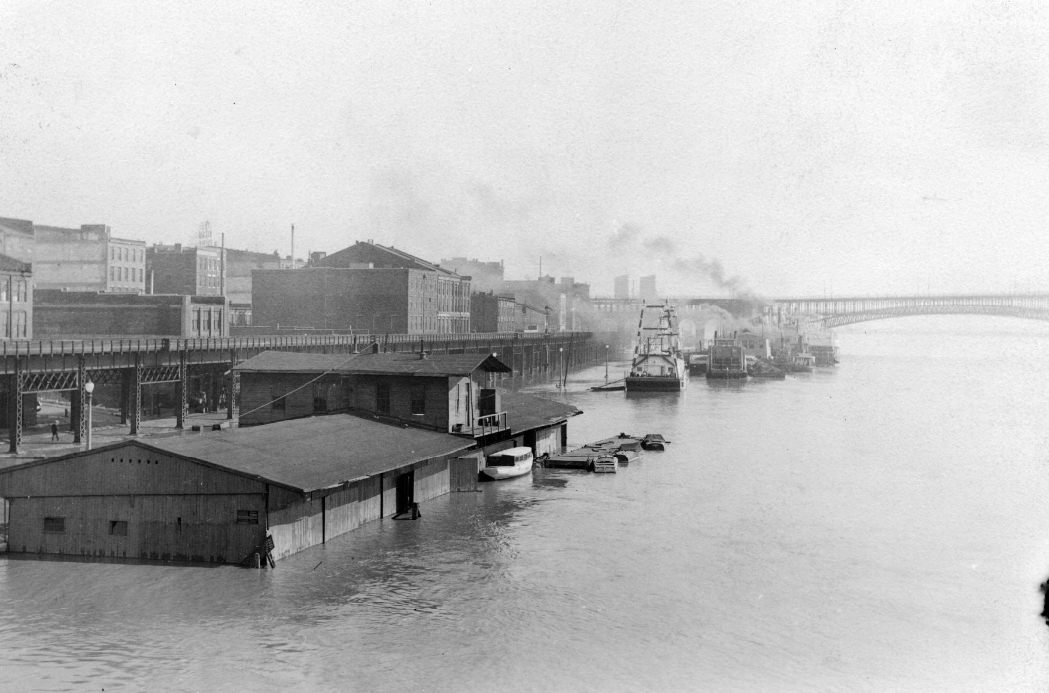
<point>50,366</point>
<point>836,312</point>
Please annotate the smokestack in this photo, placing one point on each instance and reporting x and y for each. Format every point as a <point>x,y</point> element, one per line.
<point>293,246</point>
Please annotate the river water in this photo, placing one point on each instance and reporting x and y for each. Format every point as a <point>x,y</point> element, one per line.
<point>882,525</point>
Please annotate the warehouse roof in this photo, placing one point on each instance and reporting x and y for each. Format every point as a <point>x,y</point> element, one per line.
<point>400,363</point>
<point>313,453</point>
<point>527,412</point>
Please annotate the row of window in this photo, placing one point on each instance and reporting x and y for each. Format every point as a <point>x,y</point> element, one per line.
<point>205,320</point>
<point>11,287</point>
<point>20,330</point>
<point>126,274</point>
<point>125,254</point>
<point>118,528</point>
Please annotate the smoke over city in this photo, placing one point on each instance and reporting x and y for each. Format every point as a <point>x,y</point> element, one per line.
<point>665,252</point>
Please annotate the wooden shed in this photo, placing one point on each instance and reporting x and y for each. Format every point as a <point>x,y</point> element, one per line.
<point>219,496</point>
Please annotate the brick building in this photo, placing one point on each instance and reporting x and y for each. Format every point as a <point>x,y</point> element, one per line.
<point>366,287</point>
<point>492,313</point>
<point>89,258</point>
<point>187,270</point>
<point>67,314</point>
<point>16,299</point>
<point>239,266</point>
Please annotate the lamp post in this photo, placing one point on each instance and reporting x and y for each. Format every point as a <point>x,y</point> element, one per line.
<point>89,387</point>
<point>606,364</point>
<point>560,364</point>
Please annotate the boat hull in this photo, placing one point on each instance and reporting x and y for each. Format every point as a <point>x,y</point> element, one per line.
<point>726,375</point>
<point>498,473</point>
<point>653,383</point>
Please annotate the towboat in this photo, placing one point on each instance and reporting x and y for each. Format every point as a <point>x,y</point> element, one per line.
<point>509,463</point>
<point>657,363</point>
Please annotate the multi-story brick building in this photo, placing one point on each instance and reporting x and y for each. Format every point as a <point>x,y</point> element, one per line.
<point>185,270</point>
<point>239,266</point>
<point>93,314</point>
<point>89,258</point>
<point>365,287</point>
<point>16,299</point>
<point>492,313</point>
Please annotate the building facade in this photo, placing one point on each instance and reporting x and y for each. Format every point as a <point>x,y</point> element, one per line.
<point>17,239</point>
<point>647,288</point>
<point>442,297</point>
<point>70,314</point>
<point>239,266</point>
<point>188,270</point>
<point>16,299</point>
<point>484,276</point>
<point>88,259</point>
<point>188,499</point>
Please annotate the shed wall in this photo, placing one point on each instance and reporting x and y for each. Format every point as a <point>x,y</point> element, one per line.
<point>200,528</point>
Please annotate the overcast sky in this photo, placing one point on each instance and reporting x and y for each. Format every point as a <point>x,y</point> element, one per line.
<point>784,148</point>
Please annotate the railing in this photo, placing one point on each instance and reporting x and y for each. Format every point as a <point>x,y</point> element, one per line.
<point>491,423</point>
<point>54,347</point>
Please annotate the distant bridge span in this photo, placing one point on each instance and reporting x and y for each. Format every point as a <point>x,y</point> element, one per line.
<point>838,311</point>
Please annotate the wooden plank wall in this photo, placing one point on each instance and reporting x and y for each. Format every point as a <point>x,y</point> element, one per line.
<point>462,472</point>
<point>200,528</point>
<point>431,479</point>
<point>296,527</point>
<point>548,440</point>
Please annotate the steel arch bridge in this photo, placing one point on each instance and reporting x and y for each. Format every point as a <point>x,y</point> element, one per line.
<point>836,312</point>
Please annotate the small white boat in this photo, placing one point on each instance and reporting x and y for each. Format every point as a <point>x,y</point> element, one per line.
<point>509,463</point>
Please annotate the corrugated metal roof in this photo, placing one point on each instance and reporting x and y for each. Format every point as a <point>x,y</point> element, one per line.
<point>401,363</point>
<point>313,453</point>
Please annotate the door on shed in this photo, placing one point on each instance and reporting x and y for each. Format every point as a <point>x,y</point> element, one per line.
<point>405,491</point>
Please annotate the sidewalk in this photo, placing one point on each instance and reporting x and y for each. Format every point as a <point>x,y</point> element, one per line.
<point>37,443</point>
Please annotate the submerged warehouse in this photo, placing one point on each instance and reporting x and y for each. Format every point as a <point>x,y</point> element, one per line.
<point>277,488</point>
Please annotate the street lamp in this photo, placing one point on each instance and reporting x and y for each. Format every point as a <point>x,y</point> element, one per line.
<point>560,364</point>
<point>89,387</point>
<point>606,364</point>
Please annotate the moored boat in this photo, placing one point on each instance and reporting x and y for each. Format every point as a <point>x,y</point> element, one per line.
<point>509,463</point>
<point>657,364</point>
<point>727,360</point>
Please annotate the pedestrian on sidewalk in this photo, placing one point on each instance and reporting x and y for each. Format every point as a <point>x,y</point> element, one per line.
<point>54,431</point>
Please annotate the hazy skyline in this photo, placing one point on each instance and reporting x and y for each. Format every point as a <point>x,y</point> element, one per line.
<point>785,149</point>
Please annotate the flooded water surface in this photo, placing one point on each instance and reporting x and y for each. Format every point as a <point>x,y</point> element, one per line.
<point>882,525</point>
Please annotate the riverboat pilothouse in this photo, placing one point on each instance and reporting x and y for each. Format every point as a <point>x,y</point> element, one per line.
<point>657,364</point>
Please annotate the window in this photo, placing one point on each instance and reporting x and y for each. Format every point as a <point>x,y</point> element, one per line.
<point>247,517</point>
<point>20,324</point>
<point>418,400</point>
<point>118,528</point>
<point>23,291</point>
<point>54,525</point>
<point>382,398</point>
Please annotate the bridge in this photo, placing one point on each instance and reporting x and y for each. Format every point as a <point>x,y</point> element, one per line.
<point>29,367</point>
<point>838,311</point>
